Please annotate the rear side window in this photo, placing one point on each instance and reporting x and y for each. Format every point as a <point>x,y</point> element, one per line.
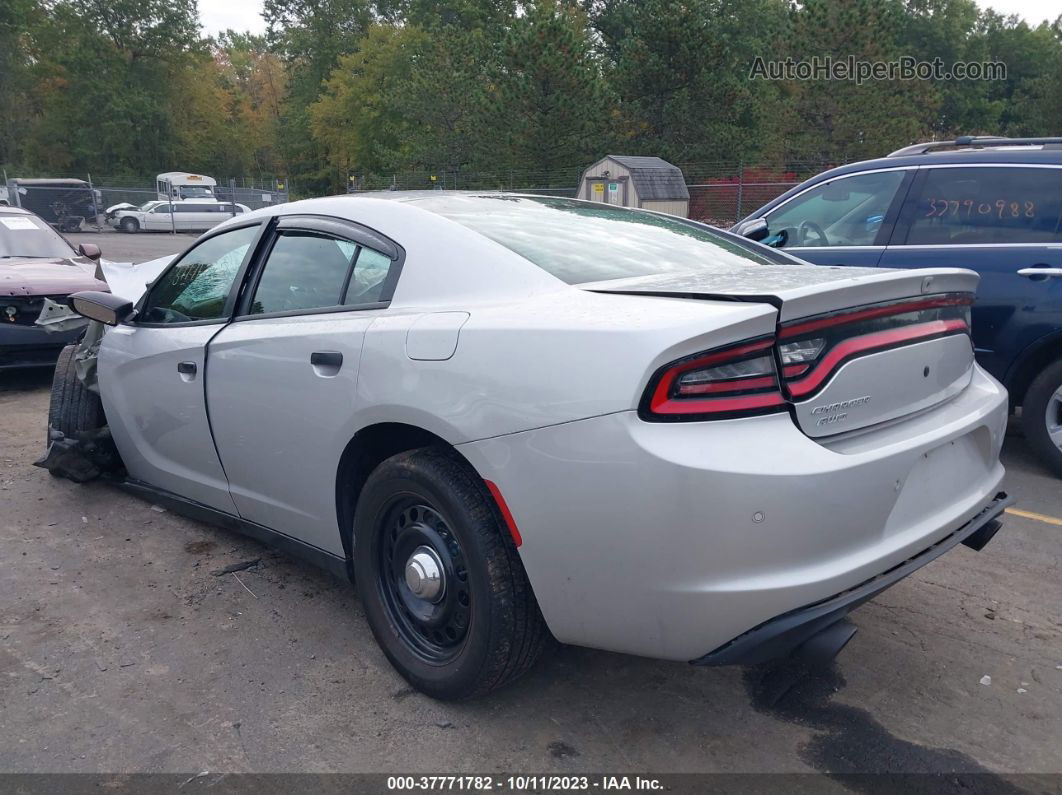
<point>308,270</point>
<point>370,274</point>
<point>304,270</point>
<point>958,206</point>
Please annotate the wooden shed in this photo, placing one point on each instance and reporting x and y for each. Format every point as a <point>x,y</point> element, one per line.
<point>629,181</point>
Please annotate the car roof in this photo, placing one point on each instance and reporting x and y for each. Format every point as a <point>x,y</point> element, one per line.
<point>1008,155</point>
<point>11,210</point>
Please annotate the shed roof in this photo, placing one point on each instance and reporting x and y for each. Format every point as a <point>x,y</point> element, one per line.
<point>654,177</point>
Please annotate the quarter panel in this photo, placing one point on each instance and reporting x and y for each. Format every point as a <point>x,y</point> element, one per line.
<point>668,540</point>
<point>548,360</point>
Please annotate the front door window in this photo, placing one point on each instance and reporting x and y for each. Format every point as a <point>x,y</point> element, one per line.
<point>847,211</point>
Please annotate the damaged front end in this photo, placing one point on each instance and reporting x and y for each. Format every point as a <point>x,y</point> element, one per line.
<point>83,457</point>
<point>80,446</point>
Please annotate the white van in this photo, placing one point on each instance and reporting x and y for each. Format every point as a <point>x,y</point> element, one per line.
<point>186,216</point>
<point>180,185</point>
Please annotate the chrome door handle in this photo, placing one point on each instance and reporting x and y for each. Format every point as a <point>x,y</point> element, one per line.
<point>1041,272</point>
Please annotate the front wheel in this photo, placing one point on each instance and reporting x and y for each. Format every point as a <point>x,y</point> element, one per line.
<point>130,225</point>
<point>1041,416</point>
<point>442,585</point>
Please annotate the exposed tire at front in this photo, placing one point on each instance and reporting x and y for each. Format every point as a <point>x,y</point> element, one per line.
<point>442,585</point>
<point>1041,416</point>
<point>129,225</point>
<point>73,409</point>
<point>76,444</point>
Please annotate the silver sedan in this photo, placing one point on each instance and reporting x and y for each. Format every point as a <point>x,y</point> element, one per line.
<point>508,417</point>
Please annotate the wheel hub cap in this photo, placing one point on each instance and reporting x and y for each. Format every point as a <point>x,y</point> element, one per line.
<point>424,574</point>
<point>1053,418</point>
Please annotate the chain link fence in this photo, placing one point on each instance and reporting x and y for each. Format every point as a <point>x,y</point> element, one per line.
<point>87,204</point>
<point>721,193</point>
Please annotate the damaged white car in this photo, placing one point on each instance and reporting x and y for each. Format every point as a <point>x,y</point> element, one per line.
<point>509,416</point>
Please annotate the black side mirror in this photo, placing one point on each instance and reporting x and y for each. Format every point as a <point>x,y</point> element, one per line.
<point>107,308</point>
<point>753,229</point>
<point>90,250</point>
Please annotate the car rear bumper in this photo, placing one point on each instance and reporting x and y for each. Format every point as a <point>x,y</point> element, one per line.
<point>667,539</point>
<point>32,346</point>
<point>786,633</point>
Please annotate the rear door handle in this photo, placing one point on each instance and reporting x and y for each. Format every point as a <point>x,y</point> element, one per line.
<point>326,359</point>
<point>1040,272</point>
<point>186,368</point>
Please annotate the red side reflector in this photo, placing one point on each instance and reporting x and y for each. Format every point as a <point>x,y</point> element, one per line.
<point>505,512</point>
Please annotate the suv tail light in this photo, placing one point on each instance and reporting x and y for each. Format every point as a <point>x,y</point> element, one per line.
<point>736,381</point>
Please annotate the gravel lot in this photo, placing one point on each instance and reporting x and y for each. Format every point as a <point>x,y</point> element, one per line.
<point>120,651</point>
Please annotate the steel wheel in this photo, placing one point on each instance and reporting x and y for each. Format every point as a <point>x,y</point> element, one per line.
<point>439,576</point>
<point>424,580</point>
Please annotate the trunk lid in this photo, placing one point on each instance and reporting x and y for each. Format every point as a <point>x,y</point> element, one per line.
<point>855,347</point>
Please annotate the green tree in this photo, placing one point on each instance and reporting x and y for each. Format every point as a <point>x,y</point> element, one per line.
<point>356,121</point>
<point>100,98</point>
<point>548,106</point>
<point>17,19</point>
<point>832,119</point>
<point>681,71</point>
<point>310,36</point>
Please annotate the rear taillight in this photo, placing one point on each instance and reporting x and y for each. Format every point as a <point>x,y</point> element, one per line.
<point>742,380</point>
<point>813,349</point>
<point>735,381</point>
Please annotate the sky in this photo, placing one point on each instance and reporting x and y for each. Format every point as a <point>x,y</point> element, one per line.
<point>218,15</point>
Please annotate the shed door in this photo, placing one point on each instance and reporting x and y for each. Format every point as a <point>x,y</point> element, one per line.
<point>597,189</point>
<point>610,190</point>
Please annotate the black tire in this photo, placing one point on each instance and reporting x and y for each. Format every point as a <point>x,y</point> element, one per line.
<point>73,409</point>
<point>130,225</point>
<point>1039,400</point>
<point>431,493</point>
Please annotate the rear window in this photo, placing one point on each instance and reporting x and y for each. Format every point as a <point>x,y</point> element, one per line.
<point>581,242</point>
<point>959,206</point>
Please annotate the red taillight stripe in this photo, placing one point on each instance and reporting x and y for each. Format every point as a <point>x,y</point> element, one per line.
<point>725,355</point>
<point>870,342</point>
<point>505,512</point>
<point>737,385</point>
<point>718,405</point>
<point>661,395</point>
<point>873,312</point>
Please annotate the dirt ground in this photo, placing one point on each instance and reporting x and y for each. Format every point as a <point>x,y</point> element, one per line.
<point>121,651</point>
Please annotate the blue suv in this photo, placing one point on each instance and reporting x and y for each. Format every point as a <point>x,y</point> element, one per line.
<point>993,205</point>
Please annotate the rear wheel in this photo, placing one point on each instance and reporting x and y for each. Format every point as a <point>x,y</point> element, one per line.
<point>130,225</point>
<point>1041,416</point>
<point>442,585</point>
